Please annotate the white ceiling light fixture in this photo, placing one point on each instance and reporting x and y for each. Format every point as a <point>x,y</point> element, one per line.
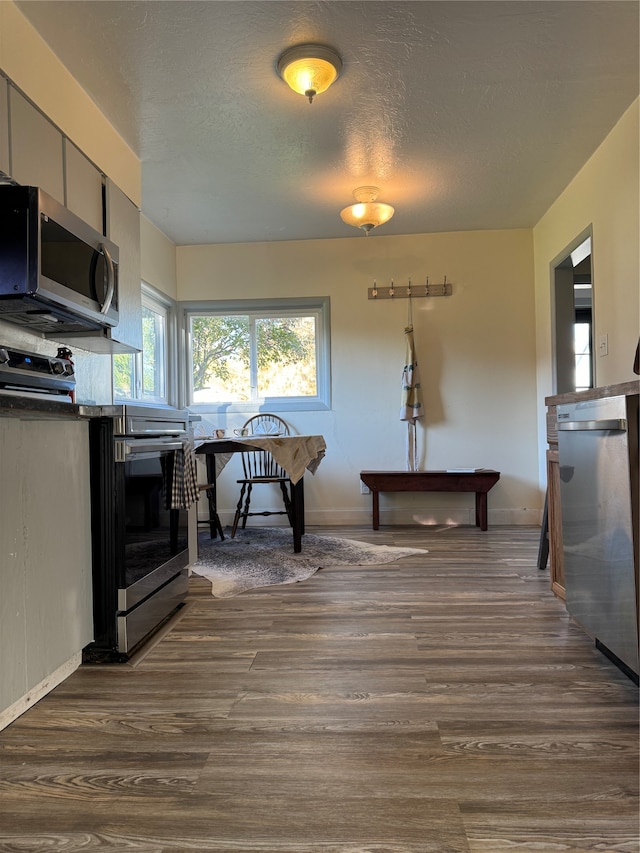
<point>367,213</point>
<point>309,69</point>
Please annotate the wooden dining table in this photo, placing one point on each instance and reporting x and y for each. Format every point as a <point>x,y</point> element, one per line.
<point>296,454</point>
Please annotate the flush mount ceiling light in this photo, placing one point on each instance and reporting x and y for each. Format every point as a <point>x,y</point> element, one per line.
<point>367,213</point>
<point>309,69</point>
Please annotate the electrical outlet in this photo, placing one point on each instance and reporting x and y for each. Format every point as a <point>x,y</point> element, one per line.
<point>603,345</point>
<point>364,489</point>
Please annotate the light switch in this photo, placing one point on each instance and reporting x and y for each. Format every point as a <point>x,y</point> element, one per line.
<point>603,345</point>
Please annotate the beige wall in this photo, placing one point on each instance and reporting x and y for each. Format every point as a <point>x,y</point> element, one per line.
<point>29,62</point>
<point>157,259</point>
<point>476,351</point>
<point>604,194</point>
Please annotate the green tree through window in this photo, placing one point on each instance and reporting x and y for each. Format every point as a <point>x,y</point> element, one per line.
<point>218,346</point>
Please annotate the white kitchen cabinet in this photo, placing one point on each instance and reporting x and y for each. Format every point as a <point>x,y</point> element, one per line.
<point>123,228</point>
<point>12,575</point>
<point>35,147</point>
<point>84,187</point>
<point>4,126</point>
<point>46,611</point>
<point>39,155</point>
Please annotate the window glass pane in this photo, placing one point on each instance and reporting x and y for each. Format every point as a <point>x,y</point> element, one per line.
<point>145,375</point>
<point>153,354</point>
<point>582,356</point>
<point>220,358</point>
<point>123,376</point>
<point>286,357</point>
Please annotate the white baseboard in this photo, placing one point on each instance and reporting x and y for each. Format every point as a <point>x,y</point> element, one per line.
<point>436,516</point>
<point>8,715</point>
<point>425,517</point>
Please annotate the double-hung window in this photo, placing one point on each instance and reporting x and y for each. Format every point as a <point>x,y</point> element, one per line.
<point>144,376</point>
<point>243,356</point>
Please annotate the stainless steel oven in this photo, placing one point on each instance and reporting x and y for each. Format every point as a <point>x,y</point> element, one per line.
<point>34,376</point>
<point>139,540</point>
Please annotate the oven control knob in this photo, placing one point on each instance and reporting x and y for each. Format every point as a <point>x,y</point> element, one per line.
<point>68,369</point>
<point>58,367</point>
<point>4,356</point>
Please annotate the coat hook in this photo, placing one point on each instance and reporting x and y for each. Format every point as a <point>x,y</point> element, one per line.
<point>441,288</point>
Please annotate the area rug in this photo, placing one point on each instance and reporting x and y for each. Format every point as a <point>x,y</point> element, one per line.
<point>263,556</point>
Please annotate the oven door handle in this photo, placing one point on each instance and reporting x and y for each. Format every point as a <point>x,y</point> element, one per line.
<point>130,447</point>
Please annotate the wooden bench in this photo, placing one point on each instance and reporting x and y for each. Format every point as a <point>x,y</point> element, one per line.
<point>432,481</point>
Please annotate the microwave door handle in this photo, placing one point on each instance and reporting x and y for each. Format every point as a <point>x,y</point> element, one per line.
<point>111,280</point>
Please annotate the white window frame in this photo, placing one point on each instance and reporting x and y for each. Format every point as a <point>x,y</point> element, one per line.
<point>318,307</point>
<point>159,302</point>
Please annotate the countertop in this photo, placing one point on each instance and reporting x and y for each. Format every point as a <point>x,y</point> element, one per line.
<point>622,389</point>
<point>45,409</point>
<point>27,407</point>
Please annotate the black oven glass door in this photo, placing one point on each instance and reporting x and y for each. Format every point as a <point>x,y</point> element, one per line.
<point>154,536</point>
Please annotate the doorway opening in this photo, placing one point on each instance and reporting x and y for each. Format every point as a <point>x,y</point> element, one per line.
<point>572,326</point>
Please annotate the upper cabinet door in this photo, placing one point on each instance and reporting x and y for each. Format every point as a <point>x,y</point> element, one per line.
<point>123,228</point>
<point>35,148</point>
<point>84,187</point>
<point>4,126</point>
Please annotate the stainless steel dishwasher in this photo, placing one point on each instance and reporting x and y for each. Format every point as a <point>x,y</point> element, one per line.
<point>598,451</point>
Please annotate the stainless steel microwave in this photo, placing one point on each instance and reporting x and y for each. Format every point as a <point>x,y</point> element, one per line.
<point>58,275</point>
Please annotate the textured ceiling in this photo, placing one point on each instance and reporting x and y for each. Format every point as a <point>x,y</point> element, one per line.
<point>467,115</point>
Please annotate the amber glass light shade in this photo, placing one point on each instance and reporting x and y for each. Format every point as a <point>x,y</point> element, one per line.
<point>309,69</point>
<point>367,213</point>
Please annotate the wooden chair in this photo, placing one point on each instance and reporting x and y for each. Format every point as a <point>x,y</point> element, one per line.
<point>213,521</point>
<point>260,467</point>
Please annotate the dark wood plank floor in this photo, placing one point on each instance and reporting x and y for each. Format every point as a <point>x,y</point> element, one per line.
<point>441,704</point>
